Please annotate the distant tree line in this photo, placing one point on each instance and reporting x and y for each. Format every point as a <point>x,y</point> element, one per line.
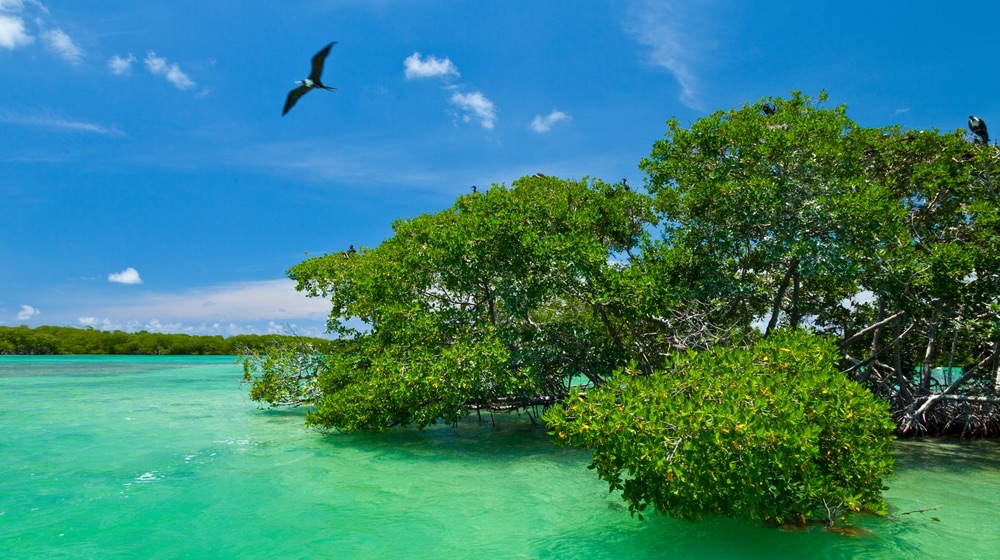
<point>68,340</point>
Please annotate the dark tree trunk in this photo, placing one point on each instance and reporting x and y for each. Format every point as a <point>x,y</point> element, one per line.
<point>776,305</point>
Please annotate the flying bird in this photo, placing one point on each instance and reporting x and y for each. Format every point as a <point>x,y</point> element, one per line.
<point>978,127</point>
<point>312,82</point>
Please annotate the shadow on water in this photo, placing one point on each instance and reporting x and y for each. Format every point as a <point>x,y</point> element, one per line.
<point>953,454</point>
<point>512,437</point>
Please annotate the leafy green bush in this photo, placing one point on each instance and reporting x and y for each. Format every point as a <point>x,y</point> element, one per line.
<point>495,303</point>
<point>283,373</point>
<point>772,432</point>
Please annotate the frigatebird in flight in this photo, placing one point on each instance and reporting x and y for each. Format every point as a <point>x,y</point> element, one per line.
<point>312,82</point>
<point>978,127</point>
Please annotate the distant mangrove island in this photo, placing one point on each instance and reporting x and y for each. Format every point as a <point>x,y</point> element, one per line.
<point>52,340</point>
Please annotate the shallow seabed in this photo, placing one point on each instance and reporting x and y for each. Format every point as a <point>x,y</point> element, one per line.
<point>148,457</point>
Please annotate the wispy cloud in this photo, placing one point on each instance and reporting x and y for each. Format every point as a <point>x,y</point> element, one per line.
<point>14,31</point>
<point>59,122</point>
<point>324,161</point>
<point>475,105</point>
<point>544,124</point>
<point>121,66</point>
<point>158,66</point>
<point>267,300</point>
<point>60,43</point>
<point>27,312</point>
<point>430,67</point>
<point>127,276</point>
<point>675,32</point>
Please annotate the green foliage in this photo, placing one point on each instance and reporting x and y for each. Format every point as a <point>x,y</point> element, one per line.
<point>884,240</point>
<point>283,373</point>
<point>496,302</point>
<point>771,432</point>
<point>782,218</point>
<point>68,340</point>
<point>759,202</point>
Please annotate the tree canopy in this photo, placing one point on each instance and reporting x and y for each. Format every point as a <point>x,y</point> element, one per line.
<point>712,340</point>
<point>498,302</point>
<point>884,238</point>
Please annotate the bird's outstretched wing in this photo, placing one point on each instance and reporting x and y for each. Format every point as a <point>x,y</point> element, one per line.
<point>294,96</point>
<point>317,62</point>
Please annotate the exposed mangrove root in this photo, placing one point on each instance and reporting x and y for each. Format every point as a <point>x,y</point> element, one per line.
<point>918,511</point>
<point>965,416</point>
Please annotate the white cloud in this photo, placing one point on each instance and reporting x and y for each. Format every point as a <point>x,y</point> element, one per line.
<point>27,312</point>
<point>544,124</point>
<point>120,66</point>
<point>317,329</point>
<point>253,307</point>
<point>476,104</point>
<point>56,121</point>
<point>270,300</point>
<point>12,31</point>
<point>60,43</point>
<point>172,72</point>
<point>431,67</point>
<point>863,297</point>
<point>127,276</point>
<point>155,325</point>
<point>670,30</point>
<point>18,5</point>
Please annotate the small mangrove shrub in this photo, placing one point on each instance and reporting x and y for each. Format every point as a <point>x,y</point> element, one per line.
<point>771,432</point>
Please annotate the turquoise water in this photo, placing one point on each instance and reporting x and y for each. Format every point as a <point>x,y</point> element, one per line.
<point>150,457</point>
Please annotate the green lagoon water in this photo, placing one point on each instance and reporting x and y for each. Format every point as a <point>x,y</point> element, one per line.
<point>150,457</point>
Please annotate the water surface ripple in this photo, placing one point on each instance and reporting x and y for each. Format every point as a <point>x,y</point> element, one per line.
<point>149,457</point>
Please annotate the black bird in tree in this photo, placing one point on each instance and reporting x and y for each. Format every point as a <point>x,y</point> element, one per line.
<point>625,184</point>
<point>312,82</point>
<point>350,251</point>
<point>473,189</point>
<point>769,109</point>
<point>978,127</point>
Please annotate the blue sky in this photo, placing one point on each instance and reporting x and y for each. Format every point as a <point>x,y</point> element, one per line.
<point>149,181</point>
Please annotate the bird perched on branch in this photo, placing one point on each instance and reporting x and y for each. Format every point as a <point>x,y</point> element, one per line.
<point>768,109</point>
<point>978,127</point>
<point>312,82</point>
